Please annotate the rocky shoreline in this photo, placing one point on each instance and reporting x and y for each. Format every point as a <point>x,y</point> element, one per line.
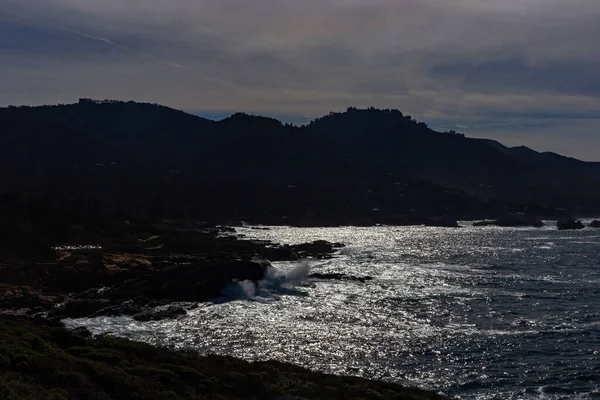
<point>149,273</point>
<point>129,269</point>
<point>132,271</point>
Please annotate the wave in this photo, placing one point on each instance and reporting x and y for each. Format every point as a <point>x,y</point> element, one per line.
<point>276,282</point>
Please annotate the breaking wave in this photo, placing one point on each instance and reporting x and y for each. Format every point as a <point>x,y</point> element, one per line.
<point>277,281</point>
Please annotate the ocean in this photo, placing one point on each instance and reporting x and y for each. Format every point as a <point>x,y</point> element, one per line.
<point>473,313</point>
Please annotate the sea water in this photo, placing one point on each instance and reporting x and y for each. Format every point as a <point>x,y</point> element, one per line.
<point>474,313</point>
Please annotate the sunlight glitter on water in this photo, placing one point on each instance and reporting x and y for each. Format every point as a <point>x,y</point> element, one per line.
<point>455,310</point>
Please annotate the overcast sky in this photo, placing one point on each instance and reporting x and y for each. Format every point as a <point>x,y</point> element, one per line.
<point>519,71</point>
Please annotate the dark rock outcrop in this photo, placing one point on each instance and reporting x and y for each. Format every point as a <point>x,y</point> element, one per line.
<point>78,308</point>
<point>519,220</point>
<point>487,222</point>
<point>513,221</point>
<point>23,298</point>
<point>341,277</point>
<point>570,224</point>
<point>82,331</point>
<point>151,287</point>
<point>170,312</point>
<point>318,249</point>
<point>198,282</point>
<point>443,222</point>
<point>595,224</point>
<point>124,276</point>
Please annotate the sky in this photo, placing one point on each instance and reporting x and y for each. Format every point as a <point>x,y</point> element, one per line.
<point>524,72</point>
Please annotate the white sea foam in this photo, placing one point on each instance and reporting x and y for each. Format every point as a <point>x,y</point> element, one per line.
<point>276,281</point>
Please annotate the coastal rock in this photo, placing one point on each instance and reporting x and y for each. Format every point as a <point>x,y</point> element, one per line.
<point>122,277</point>
<point>318,249</point>
<point>487,222</point>
<point>595,224</point>
<point>318,246</point>
<point>570,224</point>
<point>442,222</point>
<point>82,331</point>
<point>21,298</point>
<point>513,221</point>
<point>198,282</point>
<point>136,294</point>
<point>519,220</point>
<point>170,312</point>
<point>341,277</point>
<point>79,308</point>
<point>130,307</point>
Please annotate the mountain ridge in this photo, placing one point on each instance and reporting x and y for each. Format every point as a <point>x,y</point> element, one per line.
<point>361,164</point>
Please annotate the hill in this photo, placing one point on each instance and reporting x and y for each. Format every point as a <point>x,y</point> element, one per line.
<point>109,158</point>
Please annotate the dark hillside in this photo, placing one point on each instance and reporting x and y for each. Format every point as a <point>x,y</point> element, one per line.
<point>360,166</point>
<point>38,361</point>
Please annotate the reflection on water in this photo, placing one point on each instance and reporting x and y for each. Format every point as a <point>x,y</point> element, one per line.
<point>476,313</point>
<point>77,247</point>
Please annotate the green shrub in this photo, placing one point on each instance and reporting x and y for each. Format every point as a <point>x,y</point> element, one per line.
<point>56,394</point>
<point>4,362</point>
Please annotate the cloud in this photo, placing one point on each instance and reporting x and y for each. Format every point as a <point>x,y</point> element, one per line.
<point>566,76</point>
<point>447,61</point>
